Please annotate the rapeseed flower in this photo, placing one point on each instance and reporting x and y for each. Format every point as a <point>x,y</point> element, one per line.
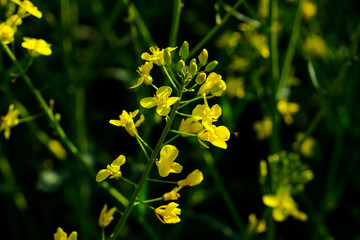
<point>287,110</point>
<point>157,56</point>
<point>162,100</point>
<point>168,213</point>
<point>205,113</point>
<point>309,9</point>
<point>256,225</point>
<point>213,85</point>
<point>36,47</point>
<point>6,33</point>
<point>27,8</point>
<point>217,136</point>
<point>106,216</point>
<point>190,125</point>
<point>144,72</point>
<point>194,178</point>
<point>263,128</point>
<point>127,121</point>
<point>315,46</point>
<point>14,21</point>
<point>171,196</point>
<point>235,87</point>
<point>9,120</point>
<point>112,170</point>
<point>61,235</point>
<point>166,164</point>
<point>307,145</point>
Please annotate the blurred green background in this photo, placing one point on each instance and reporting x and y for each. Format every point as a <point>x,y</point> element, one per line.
<point>96,50</point>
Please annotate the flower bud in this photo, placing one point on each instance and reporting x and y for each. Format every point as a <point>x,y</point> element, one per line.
<point>193,67</point>
<point>203,57</point>
<point>211,66</point>
<point>184,50</point>
<point>200,79</point>
<point>180,65</point>
<point>167,56</point>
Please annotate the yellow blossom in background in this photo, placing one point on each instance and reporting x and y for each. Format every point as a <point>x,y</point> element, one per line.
<point>287,110</point>
<point>127,121</point>
<point>36,47</point>
<point>190,125</point>
<point>315,46</point>
<point>6,33</point>
<point>162,100</point>
<point>168,213</point>
<point>255,225</point>
<point>213,85</point>
<point>106,216</point>
<point>157,56</point>
<point>307,146</point>
<point>205,113</point>
<point>260,43</point>
<point>61,235</point>
<point>263,8</point>
<point>112,170</point>
<point>56,147</point>
<point>144,72</point>
<point>9,120</point>
<point>14,21</point>
<point>215,135</point>
<point>283,205</point>
<point>263,128</point>
<point>27,8</point>
<point>309,9</point>
<point>235,87</point>
<point>171,196</point>
<point>229,41</point>
<point>194,178</point>
<point>237,64</point>
<point>166,164</point>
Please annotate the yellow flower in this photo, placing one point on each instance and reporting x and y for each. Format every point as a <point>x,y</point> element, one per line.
<point>168,213</point>
<point>161,100</point>
<point>309,9</point>
<point>260,43</point>
<point>112,170</point>
<point>126,121</point>
<point>194,178</point>
<point>166,164</point>
<point>144,72</point>
<point>61,235</point>
<point>190,125</point>
<point>9,120</point>
<point>307,146</point>
<point>283,205</point>
<point>36,47</point>
<point>315,46</point>
<point>263,128</point>
<point>171,196</point>
<point>157,56</point>
<point>6,33</point>
<point>27,8</point>
<point>106,216</point>
<point>235,87</point>
<point>14,21</point>
<point>255,225</point>
<point>205,113</point>
<point>287,109</point>
<point>213,85</point>
<point>215,135</point>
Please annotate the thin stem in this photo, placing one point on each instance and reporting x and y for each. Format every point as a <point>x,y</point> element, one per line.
<point>161,181</point>
<point>128,181</point>
<point>175,23</point>
<point>143,142</point>
<point>30,118</point>
<point>183,133</point>
<point>184,103</point>
<point>183,114</point>
<point>172,81</point>
<point>149,201</point>
<point>172,139</point>
<point>274,54</point>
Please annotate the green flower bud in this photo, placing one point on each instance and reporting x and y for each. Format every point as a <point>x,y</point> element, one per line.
<point>184,50</point>
<point>193,67</point>
<point>200,79</point>
<point>180,65</point>
<point>167,56</point>
<point>211,66</point>
<point>203,57</point>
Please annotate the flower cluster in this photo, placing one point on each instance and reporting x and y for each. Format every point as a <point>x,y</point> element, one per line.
<point>9,27</point>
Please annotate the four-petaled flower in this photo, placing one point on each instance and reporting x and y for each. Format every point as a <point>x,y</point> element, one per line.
<point>27,8</point>
<point>9,120</point>
<point>190,125</point>
<point>168,213</point>
<point>283,205</point>
<point>144,72</point>
<point>205,113</point>
<point>162,100</point>
<point>36,47</point>
<point>61,235</point>
<point>215,135</point>
<point>112,170</point>
<point>213,85</point>
<point>106,216</point>
<point>194,178</point>
<point>157,56</point>
<point>166,164</point>
<point>126,121</point>
<point>6,33</point>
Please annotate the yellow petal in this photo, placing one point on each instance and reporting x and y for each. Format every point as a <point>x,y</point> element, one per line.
<point>148,102</point>
<point>120,160</point>
<point>270,200</point>
<point>102,175</point>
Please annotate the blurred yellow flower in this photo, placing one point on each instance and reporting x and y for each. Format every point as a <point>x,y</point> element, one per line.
<point>263,8</point>
<point>315,46</point>
<point>56,147</point>
<point>144,72</point>
<point>112,170</point>
<point>190,125</point>
<point>127,121</point>
<point>14,21</point>
<point>256,225</point>
<point>287,110</point>
<point>260,43</point>
<point>263,128</point>
<point>309,9</point>
<point>215,135</point>
<point>213,85</point>
<point>27,8</point>
<point>171,196</point>
<point>168,213</point>
<point>9,120</point>
<point>235,87</point>
<point>36,47</point>
<point>106,216</point>
<point>162,100</point>
<point>194,178</point>
<point>6,33</point>
<point>61,235</point>
<point>283,205</point>
<point>307,146</point>
<point>166,164</point>
<point>157,56</point>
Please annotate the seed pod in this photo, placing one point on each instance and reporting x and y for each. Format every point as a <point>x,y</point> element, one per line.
<point>184,50</point>
<point>211,66</point>
<point>203,57</point>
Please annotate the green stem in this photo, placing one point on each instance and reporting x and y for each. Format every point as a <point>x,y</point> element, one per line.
<point>183,114</point>
<point>161,181</point>
<point>175,23</point>
<point>170,78</point>
<point>274,54</point>
<point>128,181</point>
<point>149,201</point>
<point>183,133</point>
